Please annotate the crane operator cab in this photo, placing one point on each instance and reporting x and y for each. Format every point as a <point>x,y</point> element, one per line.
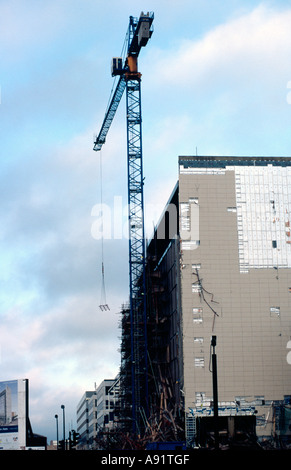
<point>116,66</point>
<point>142,32</point>
<point>129,70</point>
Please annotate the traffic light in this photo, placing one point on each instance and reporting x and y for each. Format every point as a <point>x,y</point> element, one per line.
<point>61,445</point>
<point>75,440</point>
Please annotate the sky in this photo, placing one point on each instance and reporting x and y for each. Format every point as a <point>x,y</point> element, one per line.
<point>216,80</point>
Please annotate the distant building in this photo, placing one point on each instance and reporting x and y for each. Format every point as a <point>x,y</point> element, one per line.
<point>219,264</point>
<point>53,445</point>
<point>96,413</point>
<point>83,420</point>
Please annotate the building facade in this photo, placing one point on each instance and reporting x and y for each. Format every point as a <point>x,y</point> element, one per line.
<point>83,420</point>
<point>96,414</point>
<point>236,285</point>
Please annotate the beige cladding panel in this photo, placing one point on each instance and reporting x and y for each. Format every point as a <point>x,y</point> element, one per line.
<point>248,312</point>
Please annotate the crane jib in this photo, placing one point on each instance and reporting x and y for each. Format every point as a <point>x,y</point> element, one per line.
<point>110,113</point>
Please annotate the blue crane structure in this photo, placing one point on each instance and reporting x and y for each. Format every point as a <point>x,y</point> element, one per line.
<point>138,34</point>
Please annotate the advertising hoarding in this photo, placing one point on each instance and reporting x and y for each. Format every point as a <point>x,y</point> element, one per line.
<point>13,414</point>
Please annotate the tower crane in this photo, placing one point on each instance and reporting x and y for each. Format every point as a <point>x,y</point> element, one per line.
<point>139,32</point>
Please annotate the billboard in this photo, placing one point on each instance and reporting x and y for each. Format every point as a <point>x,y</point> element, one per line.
<point>13,414</point>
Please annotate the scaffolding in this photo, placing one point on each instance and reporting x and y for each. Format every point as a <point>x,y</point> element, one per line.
<point>165,418</point>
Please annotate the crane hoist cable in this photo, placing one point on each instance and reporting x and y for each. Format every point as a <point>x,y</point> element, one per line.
<point>103,304</point>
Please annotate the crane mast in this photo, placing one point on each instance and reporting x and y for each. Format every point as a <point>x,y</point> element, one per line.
<point>138,34</point>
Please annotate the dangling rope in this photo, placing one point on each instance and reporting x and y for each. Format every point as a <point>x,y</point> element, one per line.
<point>103,304</point>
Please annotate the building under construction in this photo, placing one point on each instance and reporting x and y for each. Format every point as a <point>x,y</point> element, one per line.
<point>162,417</point>
<point>219,263</point>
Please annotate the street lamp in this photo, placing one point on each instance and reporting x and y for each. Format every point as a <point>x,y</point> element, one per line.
<point>215,393</point>
<point>56,416</point>
<point>64,433</point>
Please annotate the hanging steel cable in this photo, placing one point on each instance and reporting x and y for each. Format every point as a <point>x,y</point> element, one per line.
<point>103,303</point>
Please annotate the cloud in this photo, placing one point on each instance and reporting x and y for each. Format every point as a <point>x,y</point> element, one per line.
<point>229,82</point>
<point>63,350</point>
<point>21,23</point>
<point>254,43</point>
<point>51,270</point>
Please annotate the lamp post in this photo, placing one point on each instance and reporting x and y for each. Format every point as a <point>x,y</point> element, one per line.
<point>215,394</point>
<point>56,416</point>
<point>64,431</point>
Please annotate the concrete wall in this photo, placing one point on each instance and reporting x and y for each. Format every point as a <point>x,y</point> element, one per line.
<point>237,306</point>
